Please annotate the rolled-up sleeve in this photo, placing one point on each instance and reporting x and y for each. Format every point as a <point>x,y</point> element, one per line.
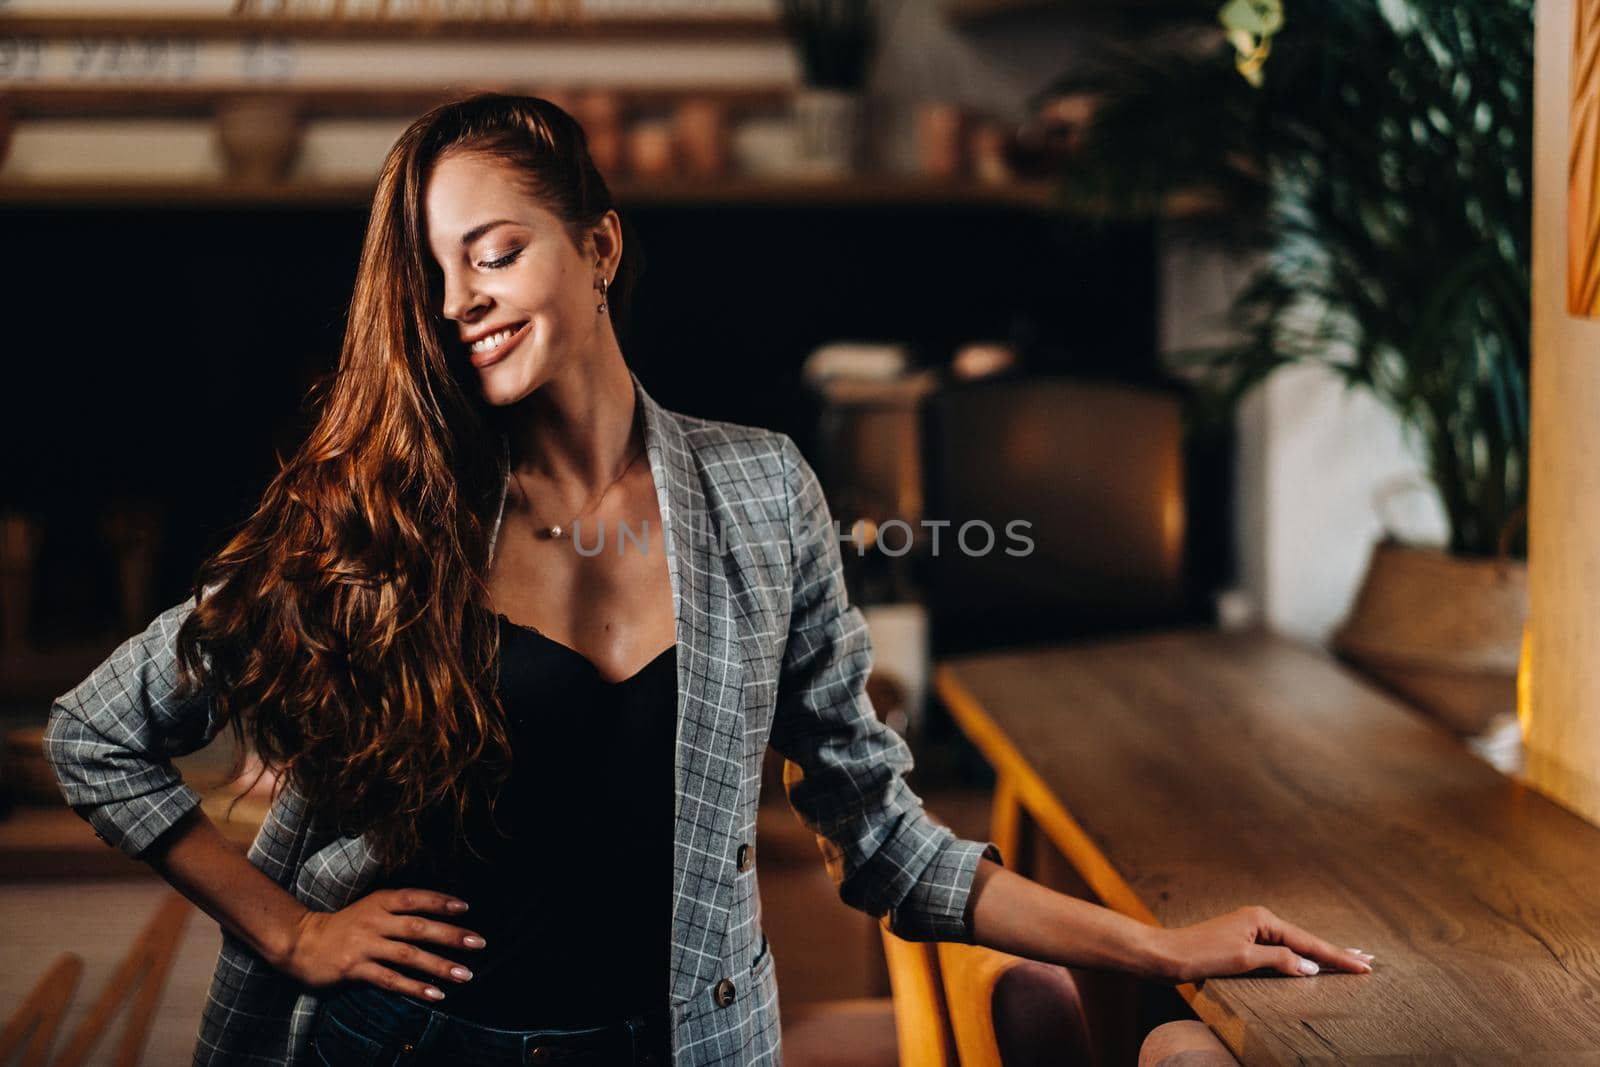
<point>111,739</point>
<point>845,775</point>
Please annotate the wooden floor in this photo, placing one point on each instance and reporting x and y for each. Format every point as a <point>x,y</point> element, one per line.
<point>824,949</point>
<point>62,890</point>
<point>99,921</point>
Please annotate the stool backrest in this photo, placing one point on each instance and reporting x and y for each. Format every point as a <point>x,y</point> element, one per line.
<point>921,1022</point>
<point>1005,1009</point>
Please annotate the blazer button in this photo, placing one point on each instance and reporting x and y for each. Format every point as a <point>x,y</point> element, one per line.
<point>724,992</point>
<point>746,857</point>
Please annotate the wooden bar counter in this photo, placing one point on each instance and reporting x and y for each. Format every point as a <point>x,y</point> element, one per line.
<point>1186,773</point>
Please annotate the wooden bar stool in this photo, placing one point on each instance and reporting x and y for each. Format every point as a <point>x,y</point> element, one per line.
<point>1185,1043</point>
<point>921,1021</point>
<point>973,1006</point>
<point>1013,1011</point>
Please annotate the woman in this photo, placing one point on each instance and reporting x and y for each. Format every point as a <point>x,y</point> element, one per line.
<point>458,565</point>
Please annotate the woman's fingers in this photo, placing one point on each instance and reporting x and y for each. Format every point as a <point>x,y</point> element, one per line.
<point>1278,958</point>
<point>382,977</point>
<point>416,928</point>
<point>1282,932</point>
<point>1253,938</point>
<point>419,900</point>
<point>421,960</point>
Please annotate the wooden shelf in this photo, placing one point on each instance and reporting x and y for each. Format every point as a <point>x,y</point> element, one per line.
<point>721,28</point>
<point>973,11</point>
<point>882,191</point>
<point>886,190</point>
<point>202,101</point>
<point>979,12</point>
<point>874,190</point>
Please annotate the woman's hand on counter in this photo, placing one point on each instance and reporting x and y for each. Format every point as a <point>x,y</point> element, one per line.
<point>1248,939</point>
<point>1018,915</point>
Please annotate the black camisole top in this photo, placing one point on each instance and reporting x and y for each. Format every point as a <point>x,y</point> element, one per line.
<point>577,906</point>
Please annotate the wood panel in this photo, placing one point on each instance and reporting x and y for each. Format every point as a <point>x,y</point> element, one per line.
<point>1561,673</point>
<point>1189,773</point>
<point>1583,182</point>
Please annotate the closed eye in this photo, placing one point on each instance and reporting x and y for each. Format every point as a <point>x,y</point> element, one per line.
<point>503,261</point>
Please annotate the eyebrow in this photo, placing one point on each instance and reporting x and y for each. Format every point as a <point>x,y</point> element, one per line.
<point>483,228</point>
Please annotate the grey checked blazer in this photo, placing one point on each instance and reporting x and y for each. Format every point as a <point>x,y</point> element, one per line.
<point>769,650</point>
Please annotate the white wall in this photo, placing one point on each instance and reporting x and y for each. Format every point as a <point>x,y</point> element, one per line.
<point>1311,457</point>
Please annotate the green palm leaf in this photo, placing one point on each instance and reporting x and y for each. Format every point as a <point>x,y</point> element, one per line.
<point>1383,170</point>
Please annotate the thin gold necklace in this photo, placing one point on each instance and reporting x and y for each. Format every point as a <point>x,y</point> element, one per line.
<point>558,531</point>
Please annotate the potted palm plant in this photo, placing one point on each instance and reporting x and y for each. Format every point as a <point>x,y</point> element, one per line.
<point>1378,156</point>
<point>836,40</point>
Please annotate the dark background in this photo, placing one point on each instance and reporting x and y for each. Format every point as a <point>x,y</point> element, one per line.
<point>162,354</point>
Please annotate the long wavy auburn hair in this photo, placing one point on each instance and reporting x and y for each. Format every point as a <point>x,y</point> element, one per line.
<point>336,629</point>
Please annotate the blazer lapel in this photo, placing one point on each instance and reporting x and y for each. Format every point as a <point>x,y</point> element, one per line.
<point>709,758</point>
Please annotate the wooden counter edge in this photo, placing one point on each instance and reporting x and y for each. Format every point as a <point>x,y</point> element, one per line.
<point>1066,835</point>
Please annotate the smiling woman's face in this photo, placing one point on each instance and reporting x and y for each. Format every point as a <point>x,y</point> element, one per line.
<point>508,264</point>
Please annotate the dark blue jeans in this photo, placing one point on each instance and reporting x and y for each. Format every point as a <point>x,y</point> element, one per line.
<point>364,1026</point>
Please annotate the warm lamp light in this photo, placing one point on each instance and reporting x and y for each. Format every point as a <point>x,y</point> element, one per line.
<point>1172,524</point>
<point>1525,680</point>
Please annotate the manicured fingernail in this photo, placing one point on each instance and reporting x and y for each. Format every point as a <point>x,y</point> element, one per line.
<point>473,941</point>
<point>1309,967</point>
<point>457,905</point>
<point>434,993</point>
<point>460,972</point>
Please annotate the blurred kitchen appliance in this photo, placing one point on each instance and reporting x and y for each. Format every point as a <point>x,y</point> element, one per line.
<point>869,462</point>
<point>870,457</point>
<point>1066,510</point>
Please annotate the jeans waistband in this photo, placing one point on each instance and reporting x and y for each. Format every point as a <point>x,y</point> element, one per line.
<point>400,1021</point>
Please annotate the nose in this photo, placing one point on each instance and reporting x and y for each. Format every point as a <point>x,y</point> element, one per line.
<point>459,300</point>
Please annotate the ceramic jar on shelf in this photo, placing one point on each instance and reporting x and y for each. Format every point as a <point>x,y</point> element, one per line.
<point>259,137</point>
<point>828,127</point>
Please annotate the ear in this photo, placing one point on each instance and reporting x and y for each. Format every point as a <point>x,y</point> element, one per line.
<point>606,237</point>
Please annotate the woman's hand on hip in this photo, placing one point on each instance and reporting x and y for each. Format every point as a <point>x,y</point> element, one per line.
<point>357,942</point>
<point>1249,939</point>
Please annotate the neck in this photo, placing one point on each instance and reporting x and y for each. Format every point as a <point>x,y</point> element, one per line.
<point>574,433</point>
